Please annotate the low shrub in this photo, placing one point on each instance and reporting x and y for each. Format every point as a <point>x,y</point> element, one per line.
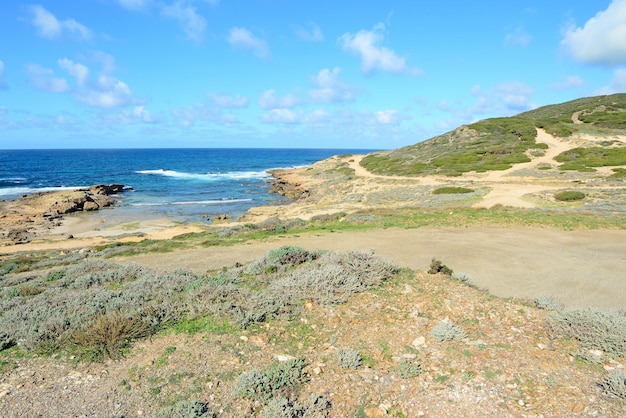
<point>447,331</point>
<point>569,196</point>
<point>614,384</point>
<point>279,379</point>
<point>437,266</point>
<point>452,190</point>
<point>109,334</point>
<point>407,369</point>
<point>547,302</point>
<point>8,268</point>
<point>592,328</point>
<point>461,278</point>
<point>348,358</point>
<point>280,407</point>
<point>186,409</point>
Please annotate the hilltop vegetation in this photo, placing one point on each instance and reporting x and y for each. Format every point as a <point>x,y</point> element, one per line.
<point>498,143</point>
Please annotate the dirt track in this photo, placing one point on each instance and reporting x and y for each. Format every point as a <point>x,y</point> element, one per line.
<point>580,268</point>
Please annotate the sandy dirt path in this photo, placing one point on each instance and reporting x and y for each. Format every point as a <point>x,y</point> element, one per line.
<point>580,268</point>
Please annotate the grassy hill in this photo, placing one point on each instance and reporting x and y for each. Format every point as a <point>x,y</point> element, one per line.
<point>498,143</point>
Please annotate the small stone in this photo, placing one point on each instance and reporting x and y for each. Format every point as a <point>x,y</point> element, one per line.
<point>243,338</point>
<point>374,412</point>
<point>542,346</point>
<point>283,357</point>
<point>419,341</point>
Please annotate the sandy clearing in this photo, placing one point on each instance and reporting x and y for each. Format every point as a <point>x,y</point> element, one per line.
<point>580,268</point>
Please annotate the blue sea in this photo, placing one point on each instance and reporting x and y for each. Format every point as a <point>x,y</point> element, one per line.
<point>180,184</point>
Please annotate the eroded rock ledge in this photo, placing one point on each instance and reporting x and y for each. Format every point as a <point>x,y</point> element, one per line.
<point>284,184</point>
<point>24,218</point>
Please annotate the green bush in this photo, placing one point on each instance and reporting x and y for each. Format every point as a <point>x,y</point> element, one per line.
<point>452,190</point>
<point>569,196</point>
<point>407,369</point>
<point>437,266</point>
<point>280,407</point>
<point>446,331</point>
<point>348,358</point>
<point>8,268</point>
<point>592,328</point>
<point>279,379</point>
<point>186,409</point>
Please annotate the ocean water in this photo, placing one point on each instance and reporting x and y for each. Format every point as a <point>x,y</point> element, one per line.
<point>181,184</point>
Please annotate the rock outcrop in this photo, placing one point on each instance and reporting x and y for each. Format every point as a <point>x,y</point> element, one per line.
<point>24,218</point>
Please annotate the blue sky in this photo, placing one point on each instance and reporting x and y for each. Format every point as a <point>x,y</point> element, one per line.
<point>278,73</point>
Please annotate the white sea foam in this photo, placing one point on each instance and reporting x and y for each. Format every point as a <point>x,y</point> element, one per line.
<point>18,191</point>
<point>207,176</point>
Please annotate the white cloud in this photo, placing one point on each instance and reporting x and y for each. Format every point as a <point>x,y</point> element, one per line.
<point>244,39</point>
<point>139,112</point>
<point>518,37</point>
<point>617,85</point>
<point>49,26</point>
<point>226,101</point>
<point>44,79</point>
<point>602,40</point>
<point>105,91</point>
<point>310,33</point>
<point>329,89</point>
<point>281,116</point>
<point>268,100</point>
<point>108,92</point>
<point>3,84</point>
<point>134,4</point>
<point>375,57</point>
<point>76,70</point>
<point>568,83</point>
<point>193,24</point>
<point>386,117</point>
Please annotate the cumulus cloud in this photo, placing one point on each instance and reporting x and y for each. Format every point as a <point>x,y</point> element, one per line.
<point>386,117</point>
<point>268,100</point>
<point>281,116</point>
<point>568,83</point>
<point>104,91</point>
<point>602,40</point>
<point>518,37</point>
<point>3,84</point>
<point>107,92</point>
<point>310,33</point>
<point>49,26</point>
<point>327,88</point>
<point>192,23</point>
<point>44,79</point>
<point>617,84</point>
<point>374,57</point>
<point>79,71</point>
<point>244,39</point>
<point>226,101</point>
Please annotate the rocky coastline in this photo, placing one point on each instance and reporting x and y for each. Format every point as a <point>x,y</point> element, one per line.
<point>25,218</point>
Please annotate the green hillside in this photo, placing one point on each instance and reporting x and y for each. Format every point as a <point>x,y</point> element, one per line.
<point>498,143</point>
